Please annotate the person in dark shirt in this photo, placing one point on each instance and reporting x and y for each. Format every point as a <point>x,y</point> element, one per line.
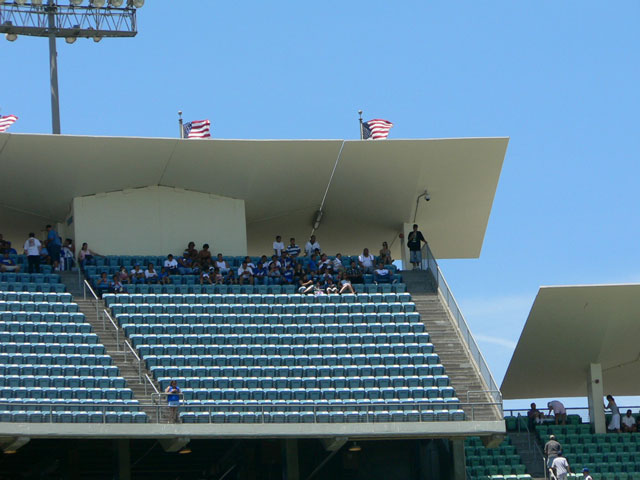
<point>415,247</point>
<point>8,265</point>
<point>534,417</point>
<point>354,273</point>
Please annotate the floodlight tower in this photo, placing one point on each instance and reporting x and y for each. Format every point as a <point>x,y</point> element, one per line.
<point>68,19</point>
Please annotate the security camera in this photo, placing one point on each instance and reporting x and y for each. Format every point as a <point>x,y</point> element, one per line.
<point>427,197</point>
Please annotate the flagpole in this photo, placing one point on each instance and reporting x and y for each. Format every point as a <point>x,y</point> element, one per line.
<point>180,123</point>
<point>361,134</point>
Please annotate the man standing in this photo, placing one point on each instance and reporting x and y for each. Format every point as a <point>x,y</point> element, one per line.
<point>559,412</point>
<point>54,245</point>
<point>561,467</point>
<point>278,246</point>
<point>292,249</point>
<point>551,450</point>
<point>415,247</point>
<point>32,249</point>
<point>311,246</point>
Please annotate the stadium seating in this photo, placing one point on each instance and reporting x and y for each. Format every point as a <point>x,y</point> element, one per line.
<point>285,357</point>
<point>608,456</point>
<point>502,462</point>
<point>52,367</point>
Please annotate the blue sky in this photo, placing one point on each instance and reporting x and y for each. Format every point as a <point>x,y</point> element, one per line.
<point>559,78</point>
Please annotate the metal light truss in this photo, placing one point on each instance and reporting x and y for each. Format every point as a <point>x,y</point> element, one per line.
<point>68,21</point>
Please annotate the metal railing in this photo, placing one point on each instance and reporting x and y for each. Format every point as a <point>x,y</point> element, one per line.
<point>94,297</point>
<point>420,412</point>
<point>430,264</point>
<point>107,316</point>
<point>148,381</point>
<point>129,350</point>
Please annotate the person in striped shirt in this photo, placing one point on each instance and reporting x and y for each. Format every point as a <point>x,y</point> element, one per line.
<point>292,249</point>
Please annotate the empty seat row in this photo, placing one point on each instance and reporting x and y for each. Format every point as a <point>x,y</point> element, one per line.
<point>273,329</point>
<point>44,381</point>
<point>46,338</point>
<point>486,460</point>
<point>271,319</point>
<point>66,355</point>
<point>30,277</point>
<point>251,289</point>
<point>43,307</point>
<point>42,317</point>
<point>35,297</point>
<point>322,416</point>
<point>414,381</point>
<point>72,405</point>
<point>296,371</point>
<point>64,393</point>
<point>32,287</point>
<point>254,299</point>
<point>301,308</point>
<point>343,349</point>
<point>108,416</point>
<point>56,370</point>
<point>43,327</point>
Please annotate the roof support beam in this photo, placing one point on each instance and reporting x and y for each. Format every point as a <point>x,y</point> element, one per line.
<point>595,394</point>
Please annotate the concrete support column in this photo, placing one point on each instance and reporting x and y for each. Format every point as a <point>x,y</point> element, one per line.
<point>406,229</point>
<point>459,461</point>
<point>124,459</point>
<point>595,395</point>
<point>291,459</point>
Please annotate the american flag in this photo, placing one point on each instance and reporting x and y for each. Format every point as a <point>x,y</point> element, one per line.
<point>6,122</point>
<point>197,129</point>
<point>376,129</point>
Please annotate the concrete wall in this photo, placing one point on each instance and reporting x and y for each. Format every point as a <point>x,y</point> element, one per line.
<point>158,221</point>
<point>16,225</point>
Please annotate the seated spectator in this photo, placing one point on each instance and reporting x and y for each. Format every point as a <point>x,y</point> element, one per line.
<point>278,246</point>
<point>260,274</point>
<point>164,278</point>
<point>222,265</point>
<point>9,249</point>
<point>45,258</point>
<point>288,275</point>
<point>324,264</point>
<point>7,264</point>
<point>559,412</point>
<point>204,257</point>
<point>337,263</point>
<point>191,251</point>
<point>312,264</point>
<point>123,275</point>
<point>245,274</point>
<point>67,255</point>
<point>344,284</point>
<point>305,285</point>
<point>629,423</point>
<point>292,249</point>
<point>85,256</point>
<point>385,254</point>
<point>187,265</point>
<point>217,277</point>
<point>534,417</point>
<point>205,276</point>
<point>298,272</point>
<point>318,289</point>
<point>354,273</point>
<point>330,287</point>
<point>273,260</point>
<point>171,264</point>
<point>311,246</point>
<point>103,284</point>
<point>116,284</point>
<point>274,275</point>
<point>249,262</point>
<point>366,261</point>
<point>286,260</point>
<point>137,275</point>
<point>382,274</point>
<point>150,274</point>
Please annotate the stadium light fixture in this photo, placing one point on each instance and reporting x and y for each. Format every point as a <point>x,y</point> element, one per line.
<point>68,19</point>
<point>184,451</point>
<point>355,447</point>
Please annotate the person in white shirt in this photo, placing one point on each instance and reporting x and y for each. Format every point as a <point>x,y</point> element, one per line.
<point>137,275</point>
<point>559,412</point>
<point>278,246</point>
<point>150,274</point>
<point>221,264</point>
<point>311,246</point>
<point>245,274</point>
<point>561,467</point>
<point>585,474</point>
<point>629,423</point>
<point>32,249</point>
<point>171,264</point>
<point>614,424</point>
<point>366,261</point>
<point>337,263</point>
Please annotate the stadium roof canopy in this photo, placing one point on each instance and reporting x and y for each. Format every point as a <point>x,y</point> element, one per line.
<point>570,328</point>
<point>374,191</point>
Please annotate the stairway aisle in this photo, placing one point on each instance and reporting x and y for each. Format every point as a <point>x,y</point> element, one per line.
<point>126,363</point>
<point>454,354</point>
<point>526,448</point>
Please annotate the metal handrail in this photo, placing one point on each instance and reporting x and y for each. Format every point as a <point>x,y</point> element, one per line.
<point>135,355</point>
<point>107,315</point>
<point>431,264</point>
<point>149,381</point>
<point>95,299</point>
